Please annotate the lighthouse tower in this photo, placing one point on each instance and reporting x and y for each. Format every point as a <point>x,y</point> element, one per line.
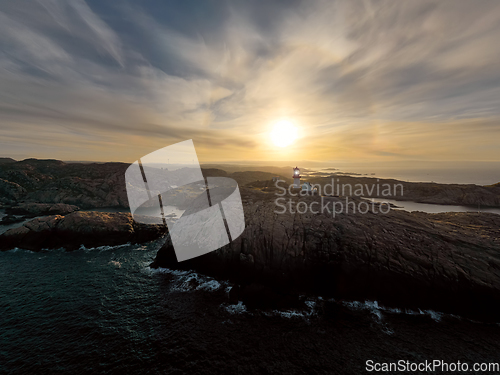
<point>296,177</point>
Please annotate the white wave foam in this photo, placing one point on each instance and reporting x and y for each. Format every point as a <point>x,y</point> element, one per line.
<point>377,311</point>
<point>169,271</point>
<point>17,249</point>
<point>209,286</point>
<point>299,313</point>
<point>305,314</point>
<point>103,248</point>
<point>436,316</point>
<point>188,281</point>
<point>194,281</point>
<point>239,308</point>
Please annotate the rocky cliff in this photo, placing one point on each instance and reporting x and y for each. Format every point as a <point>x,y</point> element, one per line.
<point>448,262</point>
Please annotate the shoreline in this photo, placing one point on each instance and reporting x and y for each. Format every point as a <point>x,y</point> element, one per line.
<point>401,259</point>
<point>445,261</point>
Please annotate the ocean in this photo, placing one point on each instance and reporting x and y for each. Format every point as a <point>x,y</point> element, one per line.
<point>477,173</point>
<point>104,311</point>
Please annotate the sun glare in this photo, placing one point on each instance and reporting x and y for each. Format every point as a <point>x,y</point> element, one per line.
<point>284,133</point>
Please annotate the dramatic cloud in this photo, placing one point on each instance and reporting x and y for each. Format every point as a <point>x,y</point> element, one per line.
<point>387,80</point>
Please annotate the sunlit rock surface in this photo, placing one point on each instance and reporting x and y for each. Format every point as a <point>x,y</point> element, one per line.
<point>90,229</point>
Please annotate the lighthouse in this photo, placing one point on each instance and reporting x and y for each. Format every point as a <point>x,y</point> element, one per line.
<point>296,177</point>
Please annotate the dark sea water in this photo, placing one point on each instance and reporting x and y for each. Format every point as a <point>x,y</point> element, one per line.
<point>104,311</point>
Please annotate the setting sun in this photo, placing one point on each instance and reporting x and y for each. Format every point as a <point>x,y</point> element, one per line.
<point>284,133</point>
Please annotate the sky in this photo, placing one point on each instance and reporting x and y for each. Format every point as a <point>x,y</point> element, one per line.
<point>361,80</point>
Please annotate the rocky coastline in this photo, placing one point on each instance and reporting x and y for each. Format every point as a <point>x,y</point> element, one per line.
<point>94,185</point>
<point>449,262</point>
<point>89,229</point>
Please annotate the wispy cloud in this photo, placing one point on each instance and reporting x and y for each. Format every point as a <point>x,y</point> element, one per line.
<point>366,79</point>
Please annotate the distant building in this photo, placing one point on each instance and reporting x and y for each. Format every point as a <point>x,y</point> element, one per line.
<point>296,177</point>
